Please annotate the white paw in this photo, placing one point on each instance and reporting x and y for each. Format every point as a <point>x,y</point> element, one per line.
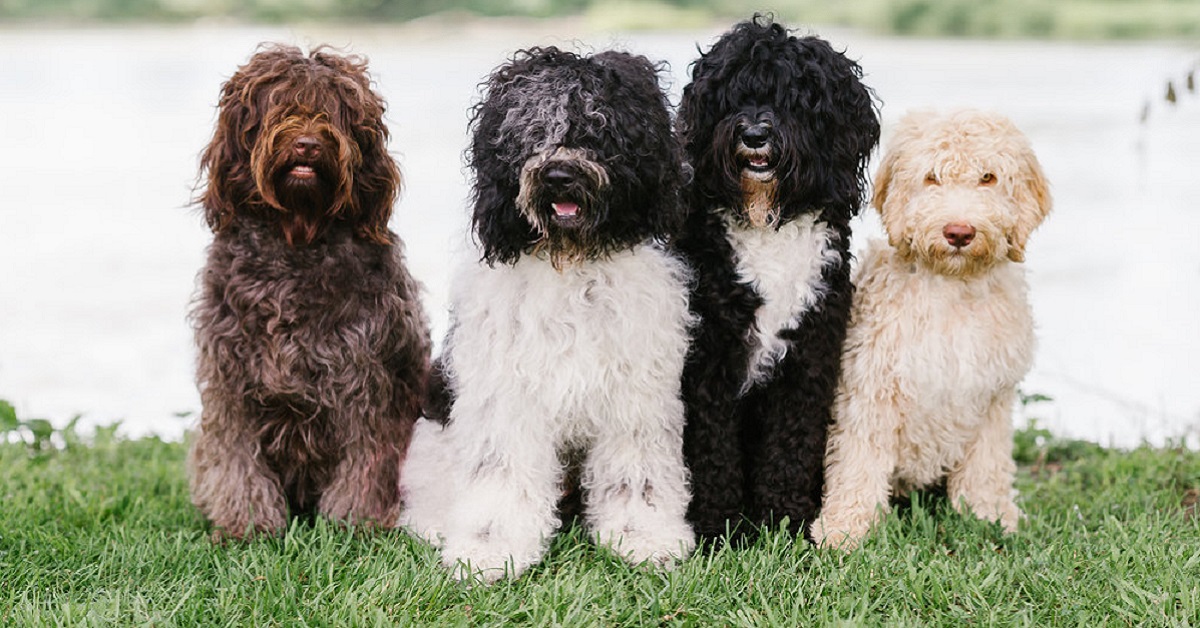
<point>658,547</point>
<point>487,558</point>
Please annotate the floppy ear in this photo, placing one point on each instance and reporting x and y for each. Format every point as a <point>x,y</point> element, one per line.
<point>377,183</point>
<point>1032,194</point>
<point>883,180</point>
<point>500,229</point>
<point>887,196</point>
<point>225,163</point>
<point>376,177</point>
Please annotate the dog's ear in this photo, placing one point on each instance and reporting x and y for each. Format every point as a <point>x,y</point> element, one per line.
<point>887,195</point>
<point>1032,193</point>
<point>373,181</point>
<point>377,178</point>
<point>225,162</point>
<point>883,180</point>
<point>501,231</point>
<point>895,178</point>
<point>377,185</point>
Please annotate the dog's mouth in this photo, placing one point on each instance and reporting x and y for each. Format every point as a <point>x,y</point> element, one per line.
<point>756,163</point>
<point>566,214</point>
<point>302,172</point>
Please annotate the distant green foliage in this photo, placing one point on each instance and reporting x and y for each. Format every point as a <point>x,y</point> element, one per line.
<point>1075,19</point>
<point>1036,446</point>
<point>38,435</point>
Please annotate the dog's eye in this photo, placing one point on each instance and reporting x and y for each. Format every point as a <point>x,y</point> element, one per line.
<point>931,179</point>
<point>987,179</point>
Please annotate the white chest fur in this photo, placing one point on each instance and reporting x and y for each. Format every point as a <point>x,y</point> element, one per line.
<point>569,343</point>
<point>784,267</point>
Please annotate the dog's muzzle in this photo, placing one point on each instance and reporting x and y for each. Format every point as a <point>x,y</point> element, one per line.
<point>559,186</point>
<point>755,150</point>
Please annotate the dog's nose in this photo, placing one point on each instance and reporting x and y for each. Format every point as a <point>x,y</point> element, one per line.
<point>755,136</point>
<point>958,234</point>
<point>307,147</point>
<point>557,176</point>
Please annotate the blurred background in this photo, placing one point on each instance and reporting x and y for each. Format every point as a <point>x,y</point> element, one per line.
<point>105,106</point>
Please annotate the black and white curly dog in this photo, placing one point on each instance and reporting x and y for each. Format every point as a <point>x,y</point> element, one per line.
<point>313,347</point>
<point>568,336</point>
<point>778,129</point>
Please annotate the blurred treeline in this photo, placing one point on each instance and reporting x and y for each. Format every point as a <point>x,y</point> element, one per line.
<point>1049,19</point>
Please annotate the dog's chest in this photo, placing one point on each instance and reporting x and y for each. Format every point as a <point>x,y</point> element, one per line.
<point>784,268</point>
<point>973,339</point>
<point>571,339</point>
<point>296,321</point>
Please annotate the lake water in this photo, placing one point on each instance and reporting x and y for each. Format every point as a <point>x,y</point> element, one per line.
<point>100,130</point>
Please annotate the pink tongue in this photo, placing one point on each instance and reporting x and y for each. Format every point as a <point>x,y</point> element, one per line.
<point>565,209</point>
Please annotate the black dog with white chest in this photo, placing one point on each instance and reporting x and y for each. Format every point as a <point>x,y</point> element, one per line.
<point>777,129</point>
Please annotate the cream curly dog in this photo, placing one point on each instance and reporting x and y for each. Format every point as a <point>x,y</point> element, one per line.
<point>941,330</point>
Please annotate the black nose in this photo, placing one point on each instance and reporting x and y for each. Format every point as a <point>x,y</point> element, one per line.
<point>307,146</point>
<point>557,176</point>
<point>756,135</point>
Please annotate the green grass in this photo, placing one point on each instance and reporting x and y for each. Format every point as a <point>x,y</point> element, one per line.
<point>100,531</point>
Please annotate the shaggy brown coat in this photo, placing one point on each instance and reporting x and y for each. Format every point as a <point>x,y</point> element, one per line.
<point>313,347</point>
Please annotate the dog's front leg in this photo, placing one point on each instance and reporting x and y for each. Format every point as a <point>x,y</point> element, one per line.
<point>637,494</point>
<point>983,482</point>
<point>365,488</point>
<point>508,480</point>
<point>859,462</point>
<point>230,483</point>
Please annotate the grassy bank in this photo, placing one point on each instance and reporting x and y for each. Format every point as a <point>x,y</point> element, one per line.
<point>101,532</point>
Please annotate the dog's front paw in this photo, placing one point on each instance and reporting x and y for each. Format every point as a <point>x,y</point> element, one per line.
<point>1007,514</point>
<point>663,547</point>
<point>247,529</point>
<point>839,533</point>
<point>485,558</point>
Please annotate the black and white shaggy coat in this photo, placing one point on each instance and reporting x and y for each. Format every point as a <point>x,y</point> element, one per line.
<point>778,129</point>
<point>313,347</point>
<point>568,336</point>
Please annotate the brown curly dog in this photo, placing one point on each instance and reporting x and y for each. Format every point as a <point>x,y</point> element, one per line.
<point>313,347</point>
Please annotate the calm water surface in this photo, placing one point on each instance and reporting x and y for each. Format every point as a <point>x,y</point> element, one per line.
<point>100,132</point>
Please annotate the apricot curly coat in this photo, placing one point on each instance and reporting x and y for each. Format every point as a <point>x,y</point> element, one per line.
<point>313,347</point>
<point>941,329</point>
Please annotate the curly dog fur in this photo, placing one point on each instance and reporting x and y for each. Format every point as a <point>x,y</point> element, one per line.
<point>313,348</point>
<point>778,129</point>
<point>568,336</point>
<point>941,330</point>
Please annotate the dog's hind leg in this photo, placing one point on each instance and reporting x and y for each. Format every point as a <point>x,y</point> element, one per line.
<point>983,482</point>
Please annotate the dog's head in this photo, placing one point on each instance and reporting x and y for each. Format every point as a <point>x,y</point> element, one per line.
<point>572,156</point>
<point>960,191</point>
<point>776,125</point>
<point>300,141</point>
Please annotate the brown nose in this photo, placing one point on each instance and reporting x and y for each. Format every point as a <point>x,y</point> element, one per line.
<point>307,147</point>
<point>958,234</point>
